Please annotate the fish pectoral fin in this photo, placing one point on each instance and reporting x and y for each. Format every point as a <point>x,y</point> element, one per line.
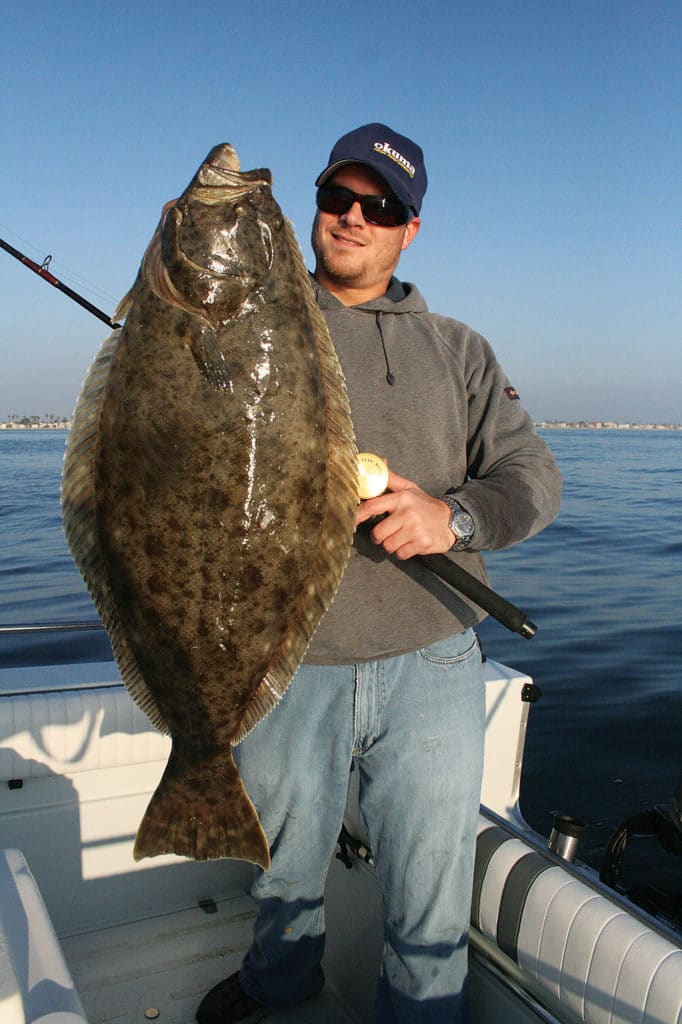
<point>200,809</point>
<point>209,357</point>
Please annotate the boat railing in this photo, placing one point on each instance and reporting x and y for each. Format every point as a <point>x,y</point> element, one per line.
<point>45,646</point>
<point>16,629</point>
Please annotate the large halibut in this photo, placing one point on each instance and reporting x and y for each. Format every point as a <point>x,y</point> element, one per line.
<point>209,493</point>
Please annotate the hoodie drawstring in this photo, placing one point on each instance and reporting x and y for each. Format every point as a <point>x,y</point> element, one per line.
<point>389,375</point>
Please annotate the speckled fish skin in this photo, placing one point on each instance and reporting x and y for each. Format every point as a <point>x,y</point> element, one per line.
<point>209,493</point>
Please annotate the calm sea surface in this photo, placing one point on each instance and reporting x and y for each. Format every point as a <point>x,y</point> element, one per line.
<point>603,584</point>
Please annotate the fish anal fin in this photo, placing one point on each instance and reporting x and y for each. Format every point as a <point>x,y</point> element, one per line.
<point>201,810</point>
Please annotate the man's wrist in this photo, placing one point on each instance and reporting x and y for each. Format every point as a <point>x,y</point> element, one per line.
<point>461,523</point>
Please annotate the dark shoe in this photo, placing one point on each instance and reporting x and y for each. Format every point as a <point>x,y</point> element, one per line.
<point>226,1003</point>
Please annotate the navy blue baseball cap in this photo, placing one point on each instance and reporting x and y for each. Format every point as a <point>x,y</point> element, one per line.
<point>395,158</point>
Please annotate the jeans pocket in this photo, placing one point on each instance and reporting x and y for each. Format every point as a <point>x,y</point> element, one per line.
<point>453,650</point>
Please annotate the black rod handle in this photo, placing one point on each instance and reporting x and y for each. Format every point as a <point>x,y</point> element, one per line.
<point>505,613</point>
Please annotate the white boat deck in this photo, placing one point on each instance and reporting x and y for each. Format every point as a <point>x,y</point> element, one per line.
<point>158,969</point>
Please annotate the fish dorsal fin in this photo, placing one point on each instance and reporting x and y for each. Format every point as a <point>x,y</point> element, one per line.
<point>80,523</point>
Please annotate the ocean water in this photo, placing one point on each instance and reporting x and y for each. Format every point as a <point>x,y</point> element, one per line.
<point>603,584</point>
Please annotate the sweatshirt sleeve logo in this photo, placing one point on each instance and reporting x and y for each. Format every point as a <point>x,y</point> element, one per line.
<point>512,394</point>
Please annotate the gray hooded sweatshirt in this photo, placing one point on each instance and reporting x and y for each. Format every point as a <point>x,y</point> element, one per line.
<point>450,421</point>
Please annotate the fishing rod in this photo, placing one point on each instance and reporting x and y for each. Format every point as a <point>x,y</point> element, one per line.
<point>373,480</point>
<point>440,565</point>
<point>42,271</point>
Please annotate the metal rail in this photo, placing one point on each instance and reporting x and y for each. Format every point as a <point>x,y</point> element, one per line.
<point>49,627</point>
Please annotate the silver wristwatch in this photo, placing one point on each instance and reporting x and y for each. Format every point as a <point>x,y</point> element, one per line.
<point>461,523</point>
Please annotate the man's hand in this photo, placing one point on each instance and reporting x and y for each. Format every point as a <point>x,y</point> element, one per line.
<point>415,523</point>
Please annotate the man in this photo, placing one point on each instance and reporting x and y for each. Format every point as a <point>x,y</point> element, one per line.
<point>392,682</point>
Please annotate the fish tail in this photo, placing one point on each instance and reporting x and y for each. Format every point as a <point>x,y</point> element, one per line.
<point>202,811</point>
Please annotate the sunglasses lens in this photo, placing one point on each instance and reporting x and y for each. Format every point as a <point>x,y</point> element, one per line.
<point>386,215</point>
<point>334,200</point>
<point>337,200</point>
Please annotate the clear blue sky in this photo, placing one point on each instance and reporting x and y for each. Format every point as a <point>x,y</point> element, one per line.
<point>551,131</point>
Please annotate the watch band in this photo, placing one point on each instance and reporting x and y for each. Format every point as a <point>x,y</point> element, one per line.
<point>461,523</point>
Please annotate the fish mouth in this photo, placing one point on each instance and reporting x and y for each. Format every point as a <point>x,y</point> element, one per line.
<point>231,188</point>
<point>219,177</point>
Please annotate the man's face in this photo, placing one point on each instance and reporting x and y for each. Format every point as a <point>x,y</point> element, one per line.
<point>352,253</point>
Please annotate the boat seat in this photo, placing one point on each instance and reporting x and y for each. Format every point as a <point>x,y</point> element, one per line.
<point>69,731</point>
<point>607,966</point>
<point>35,983</point>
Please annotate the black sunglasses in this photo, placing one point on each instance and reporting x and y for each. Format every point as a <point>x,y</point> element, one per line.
<point>375,209</point>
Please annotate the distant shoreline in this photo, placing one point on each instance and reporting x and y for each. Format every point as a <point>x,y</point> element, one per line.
<point>604,425</point>
<point>31,423</point>
<point>35,425</point>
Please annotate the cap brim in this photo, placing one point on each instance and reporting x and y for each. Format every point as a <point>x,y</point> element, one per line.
<point>333,168</point>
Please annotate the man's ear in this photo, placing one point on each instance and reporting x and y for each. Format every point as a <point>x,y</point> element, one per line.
<point>411,230</point>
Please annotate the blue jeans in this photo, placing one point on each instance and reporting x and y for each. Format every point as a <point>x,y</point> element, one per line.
<point>413,726</point>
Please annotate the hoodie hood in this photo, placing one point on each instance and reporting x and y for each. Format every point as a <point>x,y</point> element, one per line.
<point>388,310</point>
<point>400,297</point>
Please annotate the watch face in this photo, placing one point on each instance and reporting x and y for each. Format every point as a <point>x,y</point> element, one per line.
<point>461,523</point>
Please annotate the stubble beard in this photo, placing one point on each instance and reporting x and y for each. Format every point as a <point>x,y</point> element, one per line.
<point>341,271</point>
<point>336,267</point>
